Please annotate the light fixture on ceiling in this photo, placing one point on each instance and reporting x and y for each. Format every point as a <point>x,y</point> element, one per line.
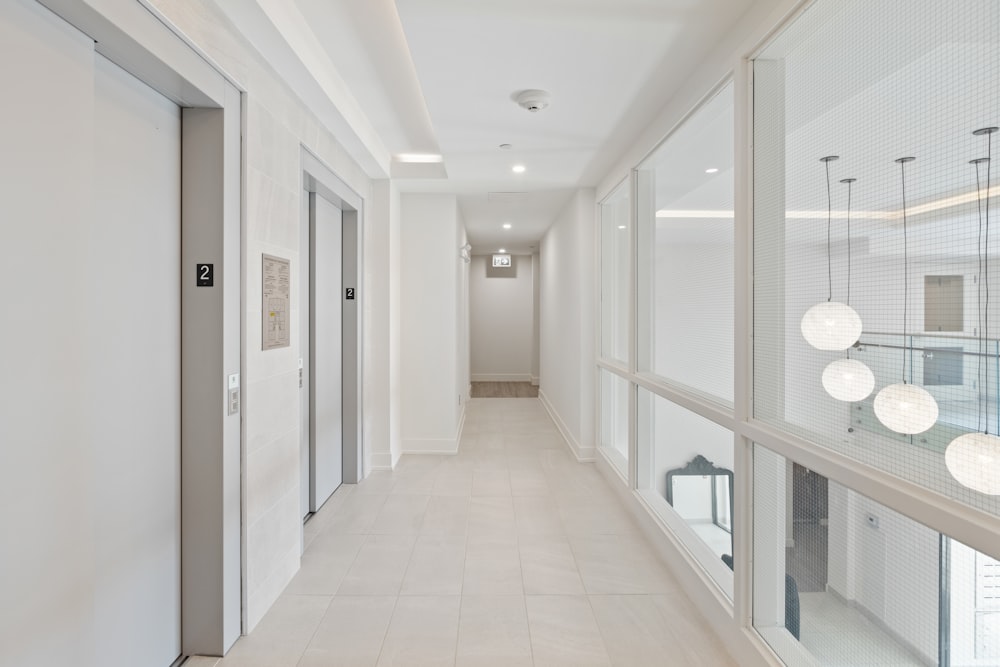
<point>903,407</point>
<point>848,379</point>
<point>830,325</point>
<point>621,227</point>
<point>506,225</point>
<point>502,250</point>
<point>974,458</point>
<point>420,158</point>
<point>712,170</point>
<point>518,169</point>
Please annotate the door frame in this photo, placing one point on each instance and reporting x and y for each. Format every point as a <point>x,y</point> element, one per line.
<point>320,179</point>
<point>135,37</point>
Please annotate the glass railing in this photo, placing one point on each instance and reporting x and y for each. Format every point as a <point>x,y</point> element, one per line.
<point>961,373</point>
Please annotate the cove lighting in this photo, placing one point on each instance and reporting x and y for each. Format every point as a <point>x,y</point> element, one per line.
<point>420,158</point>
<point>518,169</point>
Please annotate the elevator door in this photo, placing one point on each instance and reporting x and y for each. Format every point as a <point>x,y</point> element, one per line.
<point>134,252</point>
<point>325,351</point>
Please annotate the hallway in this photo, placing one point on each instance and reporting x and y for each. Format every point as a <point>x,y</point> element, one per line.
<point>510,553</point>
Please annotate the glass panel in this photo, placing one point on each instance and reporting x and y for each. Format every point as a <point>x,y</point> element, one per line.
<point>902,244</point>
<point>838,578</point>
<point>614,419</point>
<point>614,275</point>
<point>685,227</point>
<point>688,480</point>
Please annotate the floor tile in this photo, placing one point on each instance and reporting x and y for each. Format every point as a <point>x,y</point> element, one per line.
<point>436,567</point>
<point>379,567</point>
<point>548,567</point>
<point>564,632</point>
<point>423,632</point>
<point>351,633</point>
<point>493,632</point>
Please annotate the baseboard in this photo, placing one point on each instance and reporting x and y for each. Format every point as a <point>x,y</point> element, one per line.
<point>746,647</point>
<point>535,380</point>
<point>381,461</point>
<point>443,446</point>
<point>582,454</point>
<point>501,377</point>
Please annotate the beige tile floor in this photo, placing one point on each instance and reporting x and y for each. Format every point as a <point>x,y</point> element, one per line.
<point>509,554</point>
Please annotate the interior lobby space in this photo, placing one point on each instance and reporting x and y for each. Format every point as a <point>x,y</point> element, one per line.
<point>500,332</point>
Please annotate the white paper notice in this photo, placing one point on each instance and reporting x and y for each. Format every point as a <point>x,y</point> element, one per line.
<point>277,300</point>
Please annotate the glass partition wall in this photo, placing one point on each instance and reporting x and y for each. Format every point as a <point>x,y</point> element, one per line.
<point>863,527</point>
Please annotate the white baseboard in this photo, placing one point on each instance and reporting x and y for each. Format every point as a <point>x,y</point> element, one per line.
<point>381,461</point>
<point>501,377</point>
<point>444,446</point>
<point>582,454</point>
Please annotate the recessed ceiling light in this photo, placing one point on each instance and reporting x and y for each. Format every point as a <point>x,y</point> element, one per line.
<point>420,158</point>
<point>502,250</point>
<point>621,226</point>
<point>518,168</point>
<point>712,170</point>
<point>506,225</point>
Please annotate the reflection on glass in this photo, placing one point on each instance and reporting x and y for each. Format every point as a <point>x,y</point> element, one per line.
<point>840,579</point>
<point>685,474</point>
<point>686,240</point>
<point>614,274</point>
<point>614,419</point>
<point>701,494</point>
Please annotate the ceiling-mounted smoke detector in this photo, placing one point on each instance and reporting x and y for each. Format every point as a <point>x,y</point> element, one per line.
<point>533,100</point>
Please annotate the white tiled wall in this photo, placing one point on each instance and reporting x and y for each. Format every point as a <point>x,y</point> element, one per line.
<point>277,127</point>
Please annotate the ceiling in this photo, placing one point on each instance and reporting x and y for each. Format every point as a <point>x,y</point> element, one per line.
<point>439,76</point>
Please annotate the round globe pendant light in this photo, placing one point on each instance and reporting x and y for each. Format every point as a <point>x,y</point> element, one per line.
<point>906,408</point>
<point>848,380</point>
<point>830,325</point>
<point>903,407</point>
<point>973,459</point>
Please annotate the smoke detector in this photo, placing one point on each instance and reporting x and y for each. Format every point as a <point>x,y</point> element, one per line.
<point>533,100</point>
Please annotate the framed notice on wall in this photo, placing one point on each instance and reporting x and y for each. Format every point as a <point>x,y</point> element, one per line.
<point>276,302</point>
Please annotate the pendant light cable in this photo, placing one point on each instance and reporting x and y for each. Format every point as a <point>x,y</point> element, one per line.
<point>829,224</point>
<point>985,261</point>
<point>849,182</point>
<point>906,264</point>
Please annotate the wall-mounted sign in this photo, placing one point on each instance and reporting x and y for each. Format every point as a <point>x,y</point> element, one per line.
<point>501,261</point>
<point>349,294</point>
<point>204,275</point>
<point>276,283</point>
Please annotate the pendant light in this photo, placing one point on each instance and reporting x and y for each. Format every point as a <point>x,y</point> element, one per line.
<point>903,407</point>
<point>848,379</point>
<point>830,325</point>
<point>973,459</point>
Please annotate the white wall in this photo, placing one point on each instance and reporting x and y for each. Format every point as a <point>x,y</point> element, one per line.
<point>432,395</point>
<point>566,303</point>
<point>381,372</point>
<point>501,311</point>
<point>277,126</point>
<point>536,272</point>
<point>890,571</point>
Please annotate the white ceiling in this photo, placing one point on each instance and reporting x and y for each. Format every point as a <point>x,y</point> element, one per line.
<point>438,76</point>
